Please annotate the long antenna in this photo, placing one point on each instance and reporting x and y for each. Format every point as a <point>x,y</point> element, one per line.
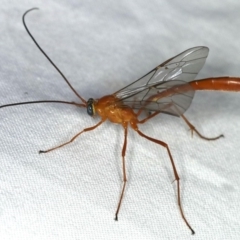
<point>42,101</point>
<point>53,64</point>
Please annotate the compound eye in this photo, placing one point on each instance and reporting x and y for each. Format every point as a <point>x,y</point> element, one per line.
<point>90,109</point>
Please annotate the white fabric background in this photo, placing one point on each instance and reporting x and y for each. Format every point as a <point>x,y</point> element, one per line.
<point>101,46</point>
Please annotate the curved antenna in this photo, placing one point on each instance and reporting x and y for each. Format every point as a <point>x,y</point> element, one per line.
<point>42,101</point>
<point>53,64</point>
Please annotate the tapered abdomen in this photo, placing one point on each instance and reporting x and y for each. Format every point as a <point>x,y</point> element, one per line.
<point>218,83</point>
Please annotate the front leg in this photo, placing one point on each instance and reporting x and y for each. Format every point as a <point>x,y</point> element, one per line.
<point>72,139</point>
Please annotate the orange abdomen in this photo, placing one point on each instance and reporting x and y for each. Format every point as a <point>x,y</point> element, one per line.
<point>218,83</point>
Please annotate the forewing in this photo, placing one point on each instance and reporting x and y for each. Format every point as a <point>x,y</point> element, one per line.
<point>166,87</point>
<point>185,66</point>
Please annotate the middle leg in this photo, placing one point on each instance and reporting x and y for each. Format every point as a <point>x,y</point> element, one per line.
<point>123,171</point>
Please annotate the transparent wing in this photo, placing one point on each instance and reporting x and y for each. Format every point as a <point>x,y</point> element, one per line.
<point>149,91</point>
<point>171,97</point>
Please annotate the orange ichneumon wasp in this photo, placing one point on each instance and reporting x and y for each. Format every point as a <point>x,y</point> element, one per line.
<point>169,88</point>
